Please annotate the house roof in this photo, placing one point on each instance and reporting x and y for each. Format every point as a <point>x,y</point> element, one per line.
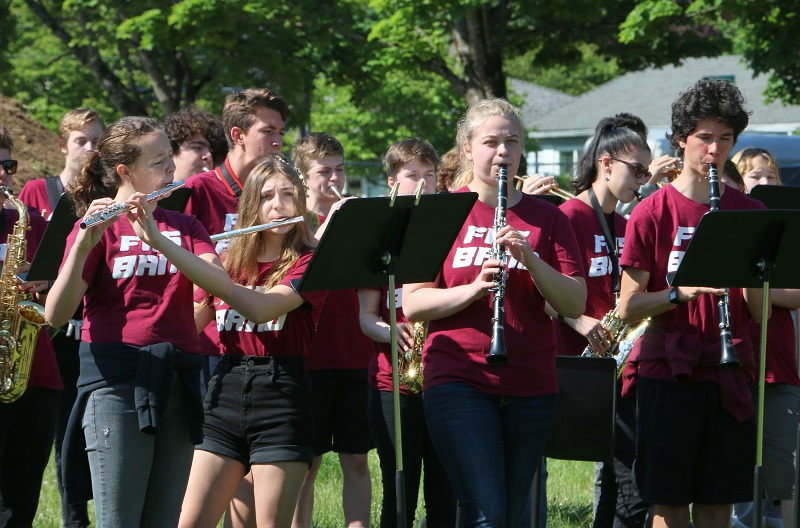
<point>650,93</point>
<point>538,100</point>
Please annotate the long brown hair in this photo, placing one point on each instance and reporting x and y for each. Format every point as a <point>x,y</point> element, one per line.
<point>119,145</point>
<point>241,259</point>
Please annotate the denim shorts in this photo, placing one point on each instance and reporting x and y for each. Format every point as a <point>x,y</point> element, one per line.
<point>258,411</point>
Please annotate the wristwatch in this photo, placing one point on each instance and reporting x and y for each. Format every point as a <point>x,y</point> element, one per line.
<point>673,296</point>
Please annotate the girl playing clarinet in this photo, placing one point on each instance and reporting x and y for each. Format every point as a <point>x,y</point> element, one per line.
<point>489,423</point>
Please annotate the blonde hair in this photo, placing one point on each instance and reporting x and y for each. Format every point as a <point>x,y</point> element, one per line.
<point>469,124</point>
<point>745,161</point>
<point>77,119</point>
<point>241,259</point>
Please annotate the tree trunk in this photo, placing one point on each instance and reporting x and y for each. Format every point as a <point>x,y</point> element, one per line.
<point>479,39</point>
<point>90,57</point>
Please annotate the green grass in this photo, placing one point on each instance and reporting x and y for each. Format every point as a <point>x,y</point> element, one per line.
<point>569,497</point>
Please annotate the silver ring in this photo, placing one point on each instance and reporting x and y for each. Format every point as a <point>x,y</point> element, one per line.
<point>594,336</point>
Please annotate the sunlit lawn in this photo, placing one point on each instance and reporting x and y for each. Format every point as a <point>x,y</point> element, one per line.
<point>569,495</point>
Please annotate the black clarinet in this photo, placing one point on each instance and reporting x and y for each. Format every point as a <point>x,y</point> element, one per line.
<point>497,352</point>
<point>728,358</point>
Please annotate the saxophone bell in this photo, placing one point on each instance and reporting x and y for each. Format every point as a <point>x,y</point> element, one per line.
<point>20,318</point>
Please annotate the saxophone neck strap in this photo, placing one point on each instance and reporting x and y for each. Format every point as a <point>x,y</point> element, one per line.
<point>609,235</point>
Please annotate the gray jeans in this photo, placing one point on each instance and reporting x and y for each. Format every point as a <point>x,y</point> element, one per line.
<point>138,479</point>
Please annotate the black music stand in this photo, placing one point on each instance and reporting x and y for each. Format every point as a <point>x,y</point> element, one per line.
<point>50,252</point>
<point>777,196</point>
<point>748,251</point>
<point>371,242</point>
<point>783,197</point>
<point>587,400</point>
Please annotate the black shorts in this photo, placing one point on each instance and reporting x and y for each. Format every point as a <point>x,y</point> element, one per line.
<point>340,411</point>
<point>258,411</point>
<point>688,448</point>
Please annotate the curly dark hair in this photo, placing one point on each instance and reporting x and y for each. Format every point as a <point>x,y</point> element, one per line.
<point>717,99</point>
<point>191,121</point>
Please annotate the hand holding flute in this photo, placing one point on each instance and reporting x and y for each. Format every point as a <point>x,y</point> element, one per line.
<point>117,209</point>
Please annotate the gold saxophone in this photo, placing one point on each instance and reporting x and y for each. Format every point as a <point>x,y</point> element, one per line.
<point>410,363</point>
<point>624,336</point>
<point>20,319</point>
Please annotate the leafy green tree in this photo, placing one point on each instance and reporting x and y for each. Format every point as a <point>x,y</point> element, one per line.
<point>467,41</point>
<point>764,33</point>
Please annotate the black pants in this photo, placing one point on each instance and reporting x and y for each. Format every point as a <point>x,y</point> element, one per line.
<point>619,504</point>
<point>69,366</point>
<point>440,502</point>
<point>27,428</point>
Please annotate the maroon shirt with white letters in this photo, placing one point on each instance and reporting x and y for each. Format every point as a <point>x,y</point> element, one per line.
<point>135,295</point>
<point>683,343</point>
<point>457,345</point>
<point>289,335</point>
<point>597,263</point>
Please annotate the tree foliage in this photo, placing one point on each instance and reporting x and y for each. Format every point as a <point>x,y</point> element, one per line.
<point>764,33</point>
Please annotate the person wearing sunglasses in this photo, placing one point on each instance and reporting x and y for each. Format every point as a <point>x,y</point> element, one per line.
<point>27,424</point>
<point>611,170</point>
<point>78,134</point>
<point>695,427</point>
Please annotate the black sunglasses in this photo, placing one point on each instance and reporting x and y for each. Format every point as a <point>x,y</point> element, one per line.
<point>10,166</point>
<point>639,171</point>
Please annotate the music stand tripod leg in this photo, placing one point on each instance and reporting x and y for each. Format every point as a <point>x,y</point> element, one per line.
<point>758,506</point>
<point>400,481</point>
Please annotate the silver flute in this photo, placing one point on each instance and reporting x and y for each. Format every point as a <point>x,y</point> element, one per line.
<point>117,209</point>
<point>256,228</point>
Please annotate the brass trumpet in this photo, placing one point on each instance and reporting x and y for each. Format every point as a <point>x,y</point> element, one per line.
<point>335,190</point>
<point>555,190</point>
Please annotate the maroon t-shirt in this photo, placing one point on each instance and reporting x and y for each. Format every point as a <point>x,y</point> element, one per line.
<point>457,345</point>
<point>135,295</point>
<point>339,343</point>
<point>781,363</point>
<point>289,335</point>
<point>44,369</point>
<point>212,203</point>
<point>215,206</point>
<point>597,264</point>
<point>34,194</point>
<point>683,343</point>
